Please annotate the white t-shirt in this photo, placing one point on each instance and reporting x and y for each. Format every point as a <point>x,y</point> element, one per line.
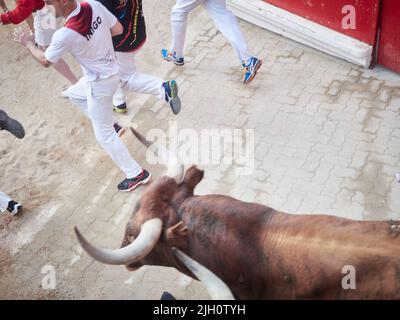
<point>95,52</point>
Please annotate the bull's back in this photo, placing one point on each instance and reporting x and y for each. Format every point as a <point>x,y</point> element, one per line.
<point>261,253</point>
<point>314,253</point>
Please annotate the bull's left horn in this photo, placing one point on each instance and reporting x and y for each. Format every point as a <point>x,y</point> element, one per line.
<point>149,234</point>
<point>174,168</point>
<point>217,289</point>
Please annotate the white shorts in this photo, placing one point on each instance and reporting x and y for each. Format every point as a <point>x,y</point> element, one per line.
<point>45,24</point>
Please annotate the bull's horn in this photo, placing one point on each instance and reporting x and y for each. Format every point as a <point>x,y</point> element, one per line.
<point>217,289</point>
<point>149,234</point>
<point>175,169</point>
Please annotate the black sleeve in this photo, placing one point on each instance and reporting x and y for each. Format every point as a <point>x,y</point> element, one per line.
<point>108,4</point>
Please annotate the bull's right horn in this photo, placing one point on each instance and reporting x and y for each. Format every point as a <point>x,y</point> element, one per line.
<point>217,289</point>
<point>149,235</point>
<point>174,168</point>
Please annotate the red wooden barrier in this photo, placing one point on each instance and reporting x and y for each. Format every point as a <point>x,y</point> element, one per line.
<point>389,44</point>
<point>329,14</point>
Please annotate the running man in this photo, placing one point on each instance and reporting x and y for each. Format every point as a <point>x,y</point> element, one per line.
<point>42,28</point>
<point>87,36</point>
<point>224,20</point>
<point>126,45</point>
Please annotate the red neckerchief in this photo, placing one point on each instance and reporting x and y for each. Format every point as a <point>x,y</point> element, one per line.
<point>82,22</point>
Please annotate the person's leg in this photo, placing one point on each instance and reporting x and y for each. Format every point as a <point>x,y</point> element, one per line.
<point>45,25</point>
<point>227,24</point>
<point>100,111</point>
<point>6,203</point>
<point>119,100</point>
<point>179,15</point>
<point>30,23</point>
<point>4,200</point>
<point>78,95</point>
<point>135,81</point>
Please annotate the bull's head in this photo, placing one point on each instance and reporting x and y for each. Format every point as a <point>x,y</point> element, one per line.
<point>156,229</point>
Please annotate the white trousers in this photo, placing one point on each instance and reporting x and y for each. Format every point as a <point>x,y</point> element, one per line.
<point>135,81</point>
<point>45,25</point>
<point>4,200</point>
<point>223,19</point>
<point>94,98</point>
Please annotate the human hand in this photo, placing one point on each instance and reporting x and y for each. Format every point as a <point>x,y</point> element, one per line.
<point>22,36</point>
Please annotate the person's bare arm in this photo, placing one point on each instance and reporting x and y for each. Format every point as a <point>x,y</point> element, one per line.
<point>26,40</point>
<point>3,6</point>
<point>22,11</point>
<point>29,21</point>
<point>117,29</point>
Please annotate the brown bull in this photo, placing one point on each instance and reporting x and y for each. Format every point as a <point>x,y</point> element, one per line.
<point>260,253</point>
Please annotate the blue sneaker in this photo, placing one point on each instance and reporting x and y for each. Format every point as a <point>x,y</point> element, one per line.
<point>171,57</point>
<point>171,95</point>
<point>250,69</point>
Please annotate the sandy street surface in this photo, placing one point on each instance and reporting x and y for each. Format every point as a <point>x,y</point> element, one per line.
<point>326,140</point>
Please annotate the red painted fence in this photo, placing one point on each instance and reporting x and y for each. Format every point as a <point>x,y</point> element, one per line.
<point>369,13</point>
<point>389,44</point>
<point>329,14</point>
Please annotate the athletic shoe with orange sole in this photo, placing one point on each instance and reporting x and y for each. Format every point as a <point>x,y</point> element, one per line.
<point>251,68</point>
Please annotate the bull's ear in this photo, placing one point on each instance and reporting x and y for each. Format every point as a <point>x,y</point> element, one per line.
<point>193,176</point>
<point>177,235</point>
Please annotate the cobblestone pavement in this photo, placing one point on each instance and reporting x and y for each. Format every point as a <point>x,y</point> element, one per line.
<point>327,140</point>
